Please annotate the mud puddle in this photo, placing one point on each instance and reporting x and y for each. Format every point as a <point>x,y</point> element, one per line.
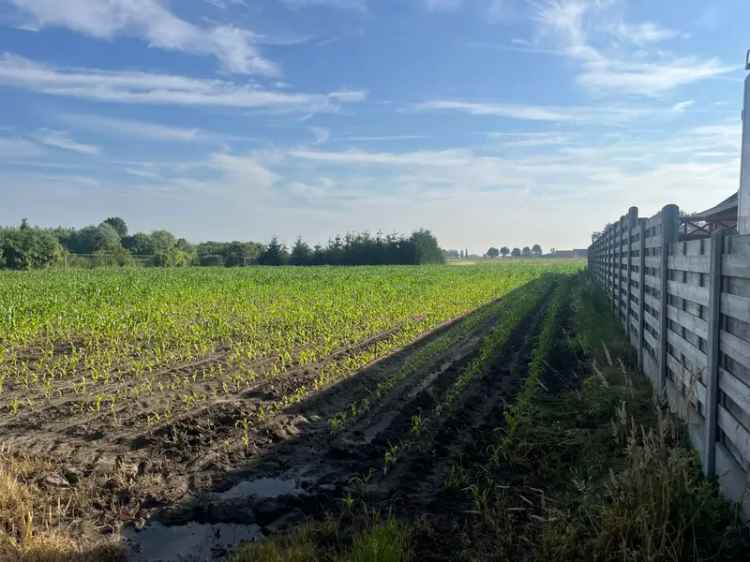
<point>262,488</point>
<point>194,542</point>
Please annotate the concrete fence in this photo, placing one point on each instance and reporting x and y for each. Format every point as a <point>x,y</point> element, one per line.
<point>685,305</point>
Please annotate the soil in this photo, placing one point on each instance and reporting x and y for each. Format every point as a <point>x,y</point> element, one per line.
<point>193,480</point>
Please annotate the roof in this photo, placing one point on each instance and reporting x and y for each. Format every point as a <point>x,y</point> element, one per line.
<point>726,210</point>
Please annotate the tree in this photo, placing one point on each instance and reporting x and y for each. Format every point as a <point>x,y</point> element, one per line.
<point>139,244</point>
<point>301,253</point>
<point>536,249</point>
<point>26,248</point>
<point>118,224</point>
<point>240,254</point>
<point>493,252</point>
<point>274,254</point>
<point>516,253</point>
<point>426,248</point>
<point>162,241</point>
<point>526,251</point>
<point>94,239</point>
<point>505,251</point>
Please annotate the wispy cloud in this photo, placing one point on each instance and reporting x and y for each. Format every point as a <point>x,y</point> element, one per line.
<point>153,88</point>
<point>63,141</point>
<point>354,5</point>
<point>642,33</point>
<point>129,127</point>
<point>566,21</point>
<point>381,138</point>
<point>151,21</point>
<point>524,140</point>
<point>601,114</point>
<point>225,4</point>
<point>511,111</point>
<point>682,106</point>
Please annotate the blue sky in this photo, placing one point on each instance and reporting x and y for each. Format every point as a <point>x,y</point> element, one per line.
<point>488,121</point>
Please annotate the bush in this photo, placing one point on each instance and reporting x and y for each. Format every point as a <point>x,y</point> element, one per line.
<point>28,248</point>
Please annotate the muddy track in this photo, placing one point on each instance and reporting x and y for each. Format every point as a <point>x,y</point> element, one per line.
<point>307,469</point>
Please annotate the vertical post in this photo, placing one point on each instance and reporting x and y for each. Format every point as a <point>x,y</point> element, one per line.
<point>743,218</point>
<point>632,221</point>
<point>712,378</point>
<point>620,239</point>
<point>641,287</point>
<point>670,225</point>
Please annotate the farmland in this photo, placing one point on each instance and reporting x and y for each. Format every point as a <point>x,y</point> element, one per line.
<point>176,413</point>
<point>178,378</point>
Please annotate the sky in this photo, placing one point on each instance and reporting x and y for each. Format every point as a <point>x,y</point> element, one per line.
<point>489,122</point>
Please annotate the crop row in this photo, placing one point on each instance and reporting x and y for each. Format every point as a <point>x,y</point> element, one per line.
<point>493,345</point>
<point>103,337</point>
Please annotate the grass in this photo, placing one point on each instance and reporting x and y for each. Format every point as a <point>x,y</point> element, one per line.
<point>32,516</point>
<point>378,540</point>
<point>605,475</point>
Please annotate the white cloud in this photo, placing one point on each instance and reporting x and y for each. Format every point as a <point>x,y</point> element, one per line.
<point>151,21</point>
<point>349,96</point>
<point>524,140</point>
<point>354,5</point>
<point>224,4</point>
<point>648,79</point>
<point>599,114</point>
<point>163,89</point>
<point>642,33</point>
<point>568,21</point>
<point>62,140</point>
<point>128,127</point>
<point>682,106</point>
<point>511,111</point>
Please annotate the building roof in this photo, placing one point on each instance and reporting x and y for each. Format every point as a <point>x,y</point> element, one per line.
<point>724,211</point>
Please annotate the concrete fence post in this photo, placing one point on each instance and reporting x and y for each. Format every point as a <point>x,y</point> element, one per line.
<point>712,351</point>
<point>641,287</point>
<point>670,225</point>
<point>632,222</point>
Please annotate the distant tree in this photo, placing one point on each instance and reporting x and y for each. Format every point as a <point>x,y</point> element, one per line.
<point>505,251</point>
<point>274,254</point>
<point>516,253</point>
<point>493,252</point>
<point>426,248</point>
<point>118,224</point>
<point>162,241</point>
<point>139,244</point>
<point>536,250</point>
<point>301,253</point>
<point>94,239</point>
<point>240,254</point>
<point>318,255</point>
<point>526,251</point>
<point>27,248</point>
<point>451,254</point>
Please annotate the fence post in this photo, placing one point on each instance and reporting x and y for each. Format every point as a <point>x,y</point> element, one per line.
<point>632,221</point>
<point>712,350</point>
<point>670,225</point>
<point>641,287</point>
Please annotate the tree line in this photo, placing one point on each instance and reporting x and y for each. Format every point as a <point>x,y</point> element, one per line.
<point>110,243</point>
<point>526,252</point>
